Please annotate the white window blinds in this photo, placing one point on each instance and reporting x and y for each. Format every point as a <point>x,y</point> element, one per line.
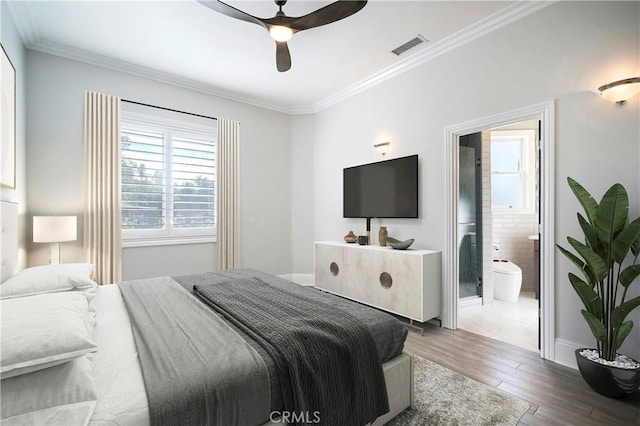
<point>143,180</point>
<point>193,176</point>
<point>168,179</point>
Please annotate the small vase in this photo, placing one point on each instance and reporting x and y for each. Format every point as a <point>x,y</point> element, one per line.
<point>350,237</point>
<point>382,236</point>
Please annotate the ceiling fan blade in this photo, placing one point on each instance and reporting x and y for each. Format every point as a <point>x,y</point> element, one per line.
<point>326,15</point>
<point>283,57</point>
<point>232,12</point>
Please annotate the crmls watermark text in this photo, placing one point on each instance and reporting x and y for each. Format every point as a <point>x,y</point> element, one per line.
<point>293,417</point>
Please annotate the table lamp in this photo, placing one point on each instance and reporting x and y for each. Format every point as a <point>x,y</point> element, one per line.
<point>54,230</point>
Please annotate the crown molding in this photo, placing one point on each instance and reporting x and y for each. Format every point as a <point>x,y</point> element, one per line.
<point>510,14</point>
<point>80,55</point>
<point>30,37</point>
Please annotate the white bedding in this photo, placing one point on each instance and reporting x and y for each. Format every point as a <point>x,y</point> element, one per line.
<point>122,398</point>
<point>120,389</point>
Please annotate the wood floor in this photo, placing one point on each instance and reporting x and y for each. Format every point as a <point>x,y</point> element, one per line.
<point>557,394</point>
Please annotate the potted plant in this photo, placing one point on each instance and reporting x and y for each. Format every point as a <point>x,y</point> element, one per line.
<point>608,260</point>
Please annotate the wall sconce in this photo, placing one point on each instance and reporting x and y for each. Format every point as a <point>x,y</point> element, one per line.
<point>382,147</point>
<point>54,230</point>
<point>621,90</point>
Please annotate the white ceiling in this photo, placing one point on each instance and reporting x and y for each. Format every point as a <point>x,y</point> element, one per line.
<point>186,43</point>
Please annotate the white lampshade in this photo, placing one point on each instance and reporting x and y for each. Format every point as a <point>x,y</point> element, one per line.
<point>55,229</point>
<point>621,90</point>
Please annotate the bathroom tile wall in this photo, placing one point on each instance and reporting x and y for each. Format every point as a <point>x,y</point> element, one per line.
<point>487,221</point>
<point>512,232</point>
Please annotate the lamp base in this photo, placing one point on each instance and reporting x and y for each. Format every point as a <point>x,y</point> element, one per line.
<point>54,253</point>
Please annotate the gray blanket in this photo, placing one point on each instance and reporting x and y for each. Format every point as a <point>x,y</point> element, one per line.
<point>388,332</point>
<point>188,378</point>
<point>327,360</point>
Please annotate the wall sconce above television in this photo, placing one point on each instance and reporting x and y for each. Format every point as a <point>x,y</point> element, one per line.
<point>383,147</point>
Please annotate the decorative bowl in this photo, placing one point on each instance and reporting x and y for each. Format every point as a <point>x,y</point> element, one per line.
<point>399,245</point>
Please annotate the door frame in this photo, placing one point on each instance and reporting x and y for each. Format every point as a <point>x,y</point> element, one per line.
<point>450,291</point>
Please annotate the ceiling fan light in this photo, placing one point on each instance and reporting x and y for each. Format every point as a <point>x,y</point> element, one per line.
<point>280,33</point>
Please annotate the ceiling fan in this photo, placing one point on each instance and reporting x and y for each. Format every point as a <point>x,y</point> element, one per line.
<point>282,27</point>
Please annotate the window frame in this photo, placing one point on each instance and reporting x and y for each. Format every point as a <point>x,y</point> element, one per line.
<point>526,170</point>
<point>169,128</point>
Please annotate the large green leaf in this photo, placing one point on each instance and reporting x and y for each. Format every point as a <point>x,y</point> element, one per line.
<point>620,312</point>
<point>628,275</point>
<point>580,264</point>
<point>613,213</point>
<point>589,233</point>
<point>624,240</point>
<point>590,299</point>
<point>593,260</point>
<point>635,247</point>
<point>623,332</point>
<point>597,328</point>
<point>588,203</point>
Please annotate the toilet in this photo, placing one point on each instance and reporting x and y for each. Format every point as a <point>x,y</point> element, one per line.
<point>507,280</point>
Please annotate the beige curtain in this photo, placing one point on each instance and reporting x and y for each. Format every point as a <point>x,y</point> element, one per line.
<point>102,234</point>
<point>227,193</point>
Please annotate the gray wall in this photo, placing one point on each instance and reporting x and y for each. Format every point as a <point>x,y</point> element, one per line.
<point>55,165</point>
<point>13,46</point>
<point>302,184</point>
<point>562,53</point>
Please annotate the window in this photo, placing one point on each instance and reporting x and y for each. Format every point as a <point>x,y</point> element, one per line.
<point>513,170</point>
<point>168,181</point>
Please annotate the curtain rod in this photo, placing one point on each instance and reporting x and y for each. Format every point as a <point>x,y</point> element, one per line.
<point>168,109</point>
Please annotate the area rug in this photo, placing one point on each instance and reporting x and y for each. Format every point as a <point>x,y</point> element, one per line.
<point>444,397</point>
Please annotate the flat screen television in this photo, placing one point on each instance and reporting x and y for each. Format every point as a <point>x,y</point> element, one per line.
<point>386,189</point>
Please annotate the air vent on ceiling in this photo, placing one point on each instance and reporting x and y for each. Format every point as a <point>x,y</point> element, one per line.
<point>409,45</point>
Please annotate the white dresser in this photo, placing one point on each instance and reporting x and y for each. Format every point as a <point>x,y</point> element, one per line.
<point>404,282</point>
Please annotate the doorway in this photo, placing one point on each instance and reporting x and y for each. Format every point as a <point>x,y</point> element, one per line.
<point>504,175</point>
<point>451,273</point>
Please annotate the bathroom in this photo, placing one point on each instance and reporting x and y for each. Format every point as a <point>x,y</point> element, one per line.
<point>498,234</point>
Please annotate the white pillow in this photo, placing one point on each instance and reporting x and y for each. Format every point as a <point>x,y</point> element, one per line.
<point>70,387</point>
<point>44,330</point>
<point>48,279</point>
<point>79,413</point>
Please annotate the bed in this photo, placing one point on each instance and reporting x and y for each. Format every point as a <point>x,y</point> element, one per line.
<point>113,386</point>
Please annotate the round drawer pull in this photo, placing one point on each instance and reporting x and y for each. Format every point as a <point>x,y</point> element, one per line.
<point>334,268</point>
<point>385,280</point>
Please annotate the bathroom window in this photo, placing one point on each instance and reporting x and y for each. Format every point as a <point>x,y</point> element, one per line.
<point>513,170</point>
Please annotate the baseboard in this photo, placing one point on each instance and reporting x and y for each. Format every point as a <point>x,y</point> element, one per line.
<point>565,353</point>
<point>469,301</point>
<point>302,279</point>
